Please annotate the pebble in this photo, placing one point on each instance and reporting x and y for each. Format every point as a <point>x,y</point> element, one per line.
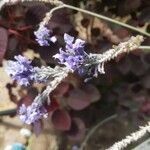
<point>25,132</point>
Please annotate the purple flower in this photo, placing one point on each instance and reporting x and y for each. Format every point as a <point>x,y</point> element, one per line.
<point>32,113</point>
<point>20,70</point>
<point>74,55</point>
<point>76,59</point>
<point>43,36</point>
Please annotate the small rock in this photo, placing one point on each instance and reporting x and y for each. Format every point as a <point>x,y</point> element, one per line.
<point>25,132</point>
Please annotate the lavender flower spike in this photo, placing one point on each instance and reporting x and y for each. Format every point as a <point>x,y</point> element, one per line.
<point>43,36</point>
<point>76,59</point>
<point>74,56</point>
<point>32,113</point>
<point>37,109</point>
<point>20,70</point>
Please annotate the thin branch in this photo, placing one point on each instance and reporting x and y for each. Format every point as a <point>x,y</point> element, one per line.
<point>49,14</point>
<point>8,112</point>
<point>62,5</point>
<point>108,19</point>
<point>93,130</point>
<point>144,47</point>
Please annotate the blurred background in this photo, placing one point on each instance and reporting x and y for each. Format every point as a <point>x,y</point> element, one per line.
<point>92,115</point>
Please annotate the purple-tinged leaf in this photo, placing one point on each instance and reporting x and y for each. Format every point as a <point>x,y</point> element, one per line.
<point>28,99</point>
<point>53,105</point>
<point>61,89</point>
<point>61,120</point>
<point>3,42</point>
<point>92,92</point>
<point>77,131</point>
<point>78,99</point>
<point>12,47</point>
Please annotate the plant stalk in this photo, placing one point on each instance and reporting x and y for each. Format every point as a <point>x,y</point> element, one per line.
<point>107,19</point>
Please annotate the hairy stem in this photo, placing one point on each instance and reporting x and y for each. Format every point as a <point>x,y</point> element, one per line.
<point>135,136</point>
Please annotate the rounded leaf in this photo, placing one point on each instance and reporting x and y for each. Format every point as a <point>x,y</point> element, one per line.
<point>53,105</point>
<point>61,89</point>
<point>78,99</point>
<point>61,120</point>
<point>77,131</point>
<point>92,92</point>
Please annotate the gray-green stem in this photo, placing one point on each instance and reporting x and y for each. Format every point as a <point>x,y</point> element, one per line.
<point>91,132</point>
<point>104,18</point>
<point>95,15</point>
<point>107,19</point>
<point>144,47</point>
